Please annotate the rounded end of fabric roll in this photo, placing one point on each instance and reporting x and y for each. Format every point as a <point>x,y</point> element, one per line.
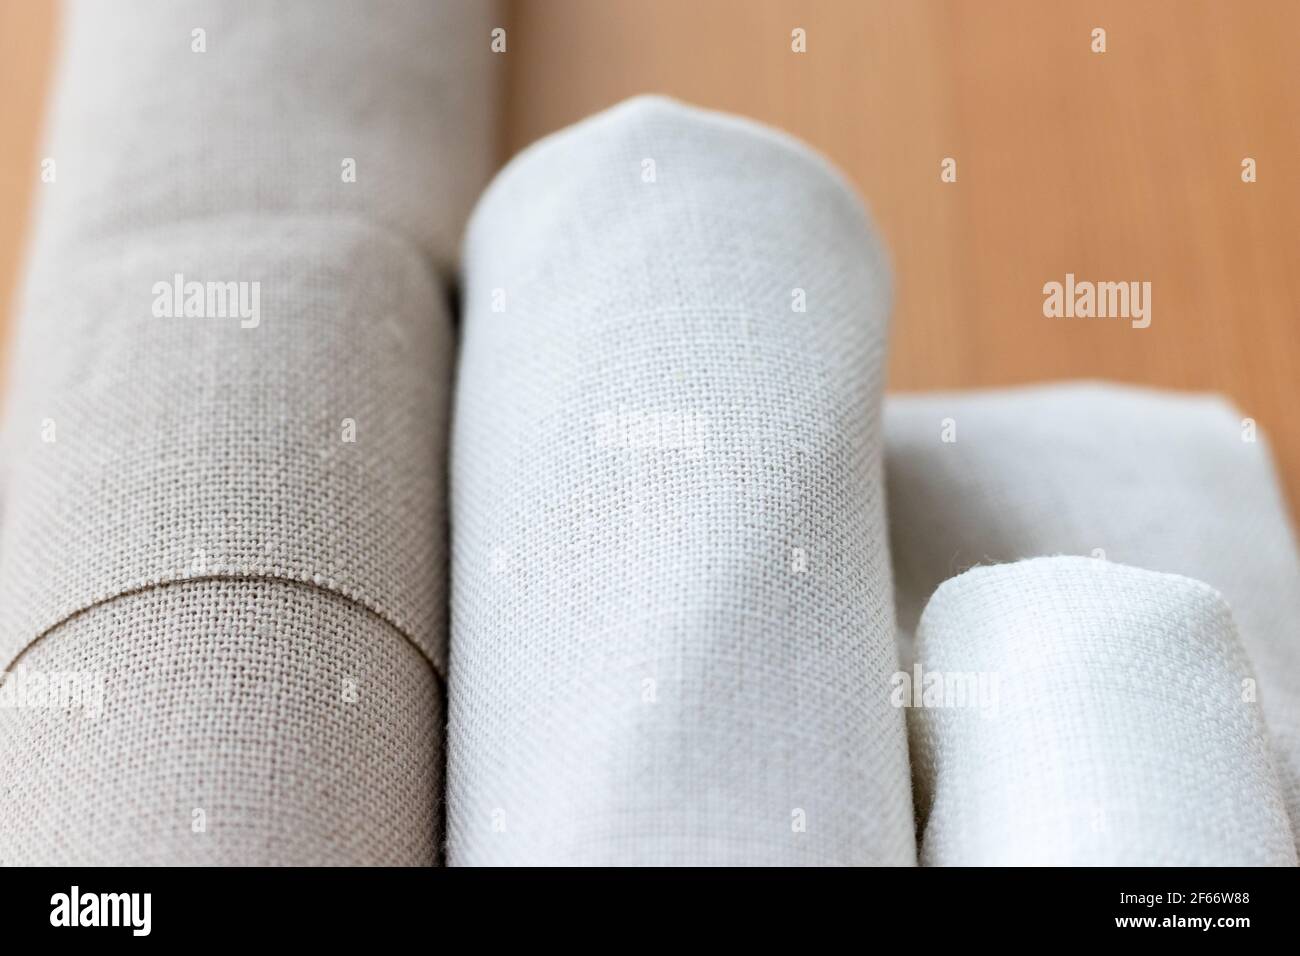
<point>654,110</point>
<point>1115,723</point>
<point>981,587</point>
<point>641,138</point>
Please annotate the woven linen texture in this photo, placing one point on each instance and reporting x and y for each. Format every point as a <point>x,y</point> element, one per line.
<point>1158,480</point>
<point>193,447</point>
<point>293,464</point>
<point>146,131</point>
<point>1124,732</point>
<point>672,630</point>
<point>243,723</point>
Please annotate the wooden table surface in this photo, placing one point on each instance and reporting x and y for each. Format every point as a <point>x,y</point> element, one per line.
<point>1117,166</point>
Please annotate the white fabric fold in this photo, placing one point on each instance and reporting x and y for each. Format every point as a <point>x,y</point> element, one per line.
<point>1159,480</point>
<point>1073,711</point>
<point>671,615</point>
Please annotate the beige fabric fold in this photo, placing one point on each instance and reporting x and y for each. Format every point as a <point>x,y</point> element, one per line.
<point>233,523</point>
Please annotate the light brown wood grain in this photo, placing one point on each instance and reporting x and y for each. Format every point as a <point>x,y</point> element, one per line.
<point>1117,166</point>
<point>27,30</point>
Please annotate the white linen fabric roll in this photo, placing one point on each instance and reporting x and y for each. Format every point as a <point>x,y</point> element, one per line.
<point>1074,711</point>
<point>224,443</point>
<point>672,633</point>
<point>1164,481</point>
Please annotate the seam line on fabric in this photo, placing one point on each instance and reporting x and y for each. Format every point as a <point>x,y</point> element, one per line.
<point>308,585</point>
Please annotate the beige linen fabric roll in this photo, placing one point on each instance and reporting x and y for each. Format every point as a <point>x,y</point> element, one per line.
<point>229,520</point>
<point>171,110</point>
<point>672,631</point>
<point>241,721</point>
<point>1166,481</point>
<point>1115,723</point>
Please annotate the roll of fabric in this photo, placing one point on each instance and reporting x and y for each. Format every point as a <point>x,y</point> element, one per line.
<point>224,516</point>
<point>173,110</point>
<point>222,721</point>
<point>1073,711</point>
<point>671,618</point>
<point>1175,483</point>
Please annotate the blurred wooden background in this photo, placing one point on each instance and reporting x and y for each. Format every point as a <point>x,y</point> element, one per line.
<point>26,65</point>
<point>1116,166</point>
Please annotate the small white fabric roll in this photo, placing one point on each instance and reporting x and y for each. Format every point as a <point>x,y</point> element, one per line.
<point>1073,711</point>
<point>1166,481</point>
<point>672,628</point>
